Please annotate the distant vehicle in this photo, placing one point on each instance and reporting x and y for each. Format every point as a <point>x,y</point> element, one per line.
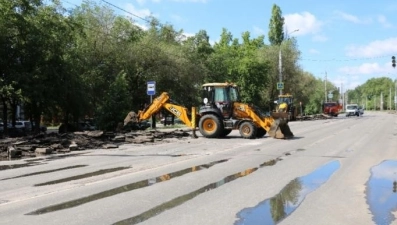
<point>352,110</point>
<point>332,108</point>
<point>361,110</point>
<point>84,126</point>
<point>23,125</point>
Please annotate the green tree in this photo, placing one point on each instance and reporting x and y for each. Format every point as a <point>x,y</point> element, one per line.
<point>276,26</point>
<point>115,105</point>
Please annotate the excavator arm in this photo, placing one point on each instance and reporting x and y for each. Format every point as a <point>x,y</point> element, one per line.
<point>277,128</point>
<point>161,102</point>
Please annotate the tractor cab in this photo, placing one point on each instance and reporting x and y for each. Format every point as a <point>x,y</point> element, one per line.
<point>219,97</point>
<point>287,98</point>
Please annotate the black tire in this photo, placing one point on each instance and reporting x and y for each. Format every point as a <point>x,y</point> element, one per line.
<point>210,126</point>
<point>248,130</point>
<point>260,132</point>
<point>226,132</point>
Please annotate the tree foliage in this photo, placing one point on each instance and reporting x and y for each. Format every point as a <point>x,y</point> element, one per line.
<point>276,26</point>
<point>370,94</point>
<point>65,66</point>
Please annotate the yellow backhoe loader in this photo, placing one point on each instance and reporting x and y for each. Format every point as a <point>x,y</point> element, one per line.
<point>285,108</point>
<point>220,113</point>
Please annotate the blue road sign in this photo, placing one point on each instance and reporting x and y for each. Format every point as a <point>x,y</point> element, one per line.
<point>280,86</point>
<point>151,87</point>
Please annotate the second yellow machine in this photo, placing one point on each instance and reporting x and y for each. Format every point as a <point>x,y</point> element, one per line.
<point>221,112</point>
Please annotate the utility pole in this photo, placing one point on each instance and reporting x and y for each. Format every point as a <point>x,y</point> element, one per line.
<point>393,64</point>
<point>280,62</point>
<point>280,68</point>
<point>343,97</point>
<point>325,87</point>
<point>390,99</point>
<point>375,103</point>
<point>381,101</point>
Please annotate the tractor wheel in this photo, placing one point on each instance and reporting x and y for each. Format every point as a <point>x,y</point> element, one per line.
<point>226,132</point>
<point>260,132</point>
<point>248,130</point>
<point>210,126</point>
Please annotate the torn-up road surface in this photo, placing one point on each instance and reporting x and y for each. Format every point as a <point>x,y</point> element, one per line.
<point>318,177</point>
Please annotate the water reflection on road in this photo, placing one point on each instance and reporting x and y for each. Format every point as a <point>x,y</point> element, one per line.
<point>382,192</point>
<point>275,209</point>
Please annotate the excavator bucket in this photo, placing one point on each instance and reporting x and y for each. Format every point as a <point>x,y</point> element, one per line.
<point>280,129</point>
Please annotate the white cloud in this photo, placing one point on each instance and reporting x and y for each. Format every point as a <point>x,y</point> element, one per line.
<point>185,36</point>
<point>319,38</point>
<point>347,82</point>
<point>194,1</point>
<point>383,20</point>
<point>386,170</point>
<point>352,18</point>
<point>306,22</point>
<point>368,69</point>
<point>373,49</point>
<point>143,13</point>
<point>141,2</point>
<point>314,51</point>
<point>177,18</point>
<point>258,30</point>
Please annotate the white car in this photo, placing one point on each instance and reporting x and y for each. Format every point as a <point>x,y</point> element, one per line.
<point>24,125</point>
<point>352,110</point>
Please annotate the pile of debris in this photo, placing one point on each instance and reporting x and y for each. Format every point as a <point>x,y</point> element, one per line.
<point>54,143</point>
<point>314,117</point>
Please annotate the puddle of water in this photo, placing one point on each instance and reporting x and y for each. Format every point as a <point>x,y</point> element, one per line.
<point>271,162</point>
<point>47,171</point>
<point>125,188</point>
<point>277,208</point>
<point>38,161</point>
<point>381,192</point>
<point>96,173</point>
<point>59,156</point>
<point>182,199</point>
<point>16,166</point>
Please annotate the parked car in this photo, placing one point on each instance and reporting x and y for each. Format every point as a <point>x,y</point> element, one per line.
<point>85,126</point>
<point>23,125</point>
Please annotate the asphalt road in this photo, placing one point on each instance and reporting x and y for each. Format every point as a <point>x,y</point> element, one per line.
<point>321,176</point>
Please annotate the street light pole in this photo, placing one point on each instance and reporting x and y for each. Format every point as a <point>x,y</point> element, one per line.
<point>280,63</point>
<point>325,87</point>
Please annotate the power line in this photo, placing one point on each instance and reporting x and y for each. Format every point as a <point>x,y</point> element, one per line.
<point>144,19</point>
<point>346,60</point>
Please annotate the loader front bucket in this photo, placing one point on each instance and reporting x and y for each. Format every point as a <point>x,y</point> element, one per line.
<point>280,129</point>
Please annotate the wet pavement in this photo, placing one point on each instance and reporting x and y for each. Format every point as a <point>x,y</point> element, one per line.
<point>277,208</point>
<point>382,192</point>
<point>125,188</point>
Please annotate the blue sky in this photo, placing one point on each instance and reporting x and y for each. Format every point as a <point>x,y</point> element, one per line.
<point>351,41</point>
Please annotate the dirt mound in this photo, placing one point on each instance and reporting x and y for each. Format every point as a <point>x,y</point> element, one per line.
<point>54,143</point>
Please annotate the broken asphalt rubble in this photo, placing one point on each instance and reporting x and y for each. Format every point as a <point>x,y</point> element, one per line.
<point>54,143</point>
